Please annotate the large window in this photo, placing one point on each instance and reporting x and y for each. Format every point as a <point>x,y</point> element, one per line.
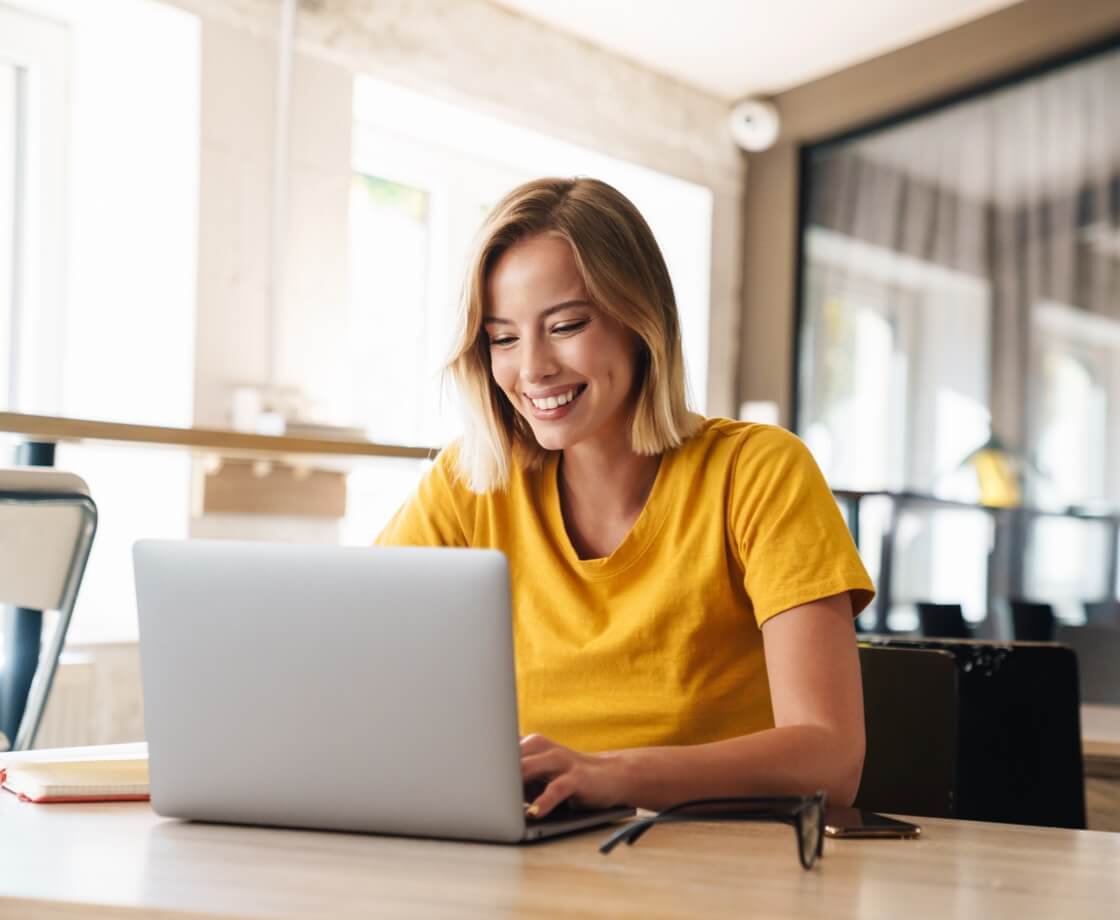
<point>10,138</point>
<point>894,365</point>
<point>34,74</point>
<point>98,231</point>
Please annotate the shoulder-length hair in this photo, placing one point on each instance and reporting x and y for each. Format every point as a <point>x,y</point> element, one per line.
<point>625,276</point>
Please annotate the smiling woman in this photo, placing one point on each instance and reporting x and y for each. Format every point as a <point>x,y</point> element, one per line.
<point>544,359</point>
<point>683,588</point>
<point>578,253</point>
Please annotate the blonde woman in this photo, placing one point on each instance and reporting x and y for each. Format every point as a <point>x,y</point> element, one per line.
<point>683,587</point>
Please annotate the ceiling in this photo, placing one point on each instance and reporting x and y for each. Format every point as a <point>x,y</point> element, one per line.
<point>738,48</point>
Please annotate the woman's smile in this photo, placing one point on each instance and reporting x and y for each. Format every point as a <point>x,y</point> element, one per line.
<point>556,403</point>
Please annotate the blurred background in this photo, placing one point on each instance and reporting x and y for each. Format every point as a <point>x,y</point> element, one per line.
<point>893,227</point>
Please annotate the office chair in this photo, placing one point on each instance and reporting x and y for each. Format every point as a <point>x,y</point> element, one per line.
<point>1098,660</point>
<point>942,621</point>
<point>910,714</point>
<point>1032,621</point>
<point>47,524</point>
<point>1102,613</point>
<point>976,730</point>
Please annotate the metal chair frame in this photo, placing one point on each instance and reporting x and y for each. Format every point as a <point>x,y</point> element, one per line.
<point>47,665</point>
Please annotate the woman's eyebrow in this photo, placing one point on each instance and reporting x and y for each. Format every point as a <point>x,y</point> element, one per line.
<point>495,320</point>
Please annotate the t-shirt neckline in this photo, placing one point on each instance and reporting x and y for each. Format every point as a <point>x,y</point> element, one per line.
<point>637,540</point>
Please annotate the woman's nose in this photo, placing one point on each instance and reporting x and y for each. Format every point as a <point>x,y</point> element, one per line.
<point>538,361</point>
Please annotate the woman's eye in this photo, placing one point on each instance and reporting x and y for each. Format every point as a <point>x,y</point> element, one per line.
<point>570,327</point>
<point>503,340</point>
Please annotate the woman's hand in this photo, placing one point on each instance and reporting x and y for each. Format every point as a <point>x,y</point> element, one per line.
<point>589,780</point>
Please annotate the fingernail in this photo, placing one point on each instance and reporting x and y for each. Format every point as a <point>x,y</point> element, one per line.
<point>532,811</point>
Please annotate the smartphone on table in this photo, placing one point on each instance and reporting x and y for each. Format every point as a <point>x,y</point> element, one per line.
<point>841,821</point>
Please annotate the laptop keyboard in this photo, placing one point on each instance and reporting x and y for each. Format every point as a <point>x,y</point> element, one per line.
<point>562,812</point>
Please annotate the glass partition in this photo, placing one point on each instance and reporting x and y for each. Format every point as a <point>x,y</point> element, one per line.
<point>959,306</point>
<point>961,281</point>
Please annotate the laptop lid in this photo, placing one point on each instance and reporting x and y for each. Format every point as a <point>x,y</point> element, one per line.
<point>363,689</point>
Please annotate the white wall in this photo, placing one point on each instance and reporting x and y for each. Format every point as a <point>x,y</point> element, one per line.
<point>234,324</point>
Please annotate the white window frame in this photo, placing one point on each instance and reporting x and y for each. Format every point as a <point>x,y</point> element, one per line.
<point>31,313</point>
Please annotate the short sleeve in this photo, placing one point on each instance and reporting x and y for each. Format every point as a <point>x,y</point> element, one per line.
<point>434,514</point>
<point>786,527</point>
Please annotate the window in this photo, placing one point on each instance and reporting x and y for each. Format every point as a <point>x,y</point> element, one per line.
<point>1077,390</point>
<point>11,136</point>
<point>894,365</point>
<point>102,322</point>
<point>390,237</point>
<point>1077,434</point>
<point>34,70</point>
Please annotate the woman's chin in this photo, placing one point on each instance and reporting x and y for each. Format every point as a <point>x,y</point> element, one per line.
<point>551,436</point>
<point>551,440</point>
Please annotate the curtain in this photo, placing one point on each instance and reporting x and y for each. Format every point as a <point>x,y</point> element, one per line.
<point>1017,190</point>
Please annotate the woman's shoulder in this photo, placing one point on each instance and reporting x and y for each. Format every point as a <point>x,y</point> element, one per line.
<point>454,479</point>
<point>746,457</point>
<point>736,437</point>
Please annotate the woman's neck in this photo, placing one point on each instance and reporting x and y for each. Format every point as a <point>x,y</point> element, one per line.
<point>608,477</point>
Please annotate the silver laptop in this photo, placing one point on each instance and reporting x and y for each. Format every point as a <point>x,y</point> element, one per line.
<point>337,688</point>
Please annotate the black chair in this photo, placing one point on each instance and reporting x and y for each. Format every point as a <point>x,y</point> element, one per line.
<point>1032,621</point>
<point>942,621</point>
<point>975,730</point>
<point>1098,660</point>
<point>910,711</point>
<point>1102,613</point>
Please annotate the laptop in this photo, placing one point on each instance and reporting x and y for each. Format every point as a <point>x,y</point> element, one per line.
<point>335,688</point>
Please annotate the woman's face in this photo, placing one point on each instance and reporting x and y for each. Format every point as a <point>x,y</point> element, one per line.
<point>566,366</point>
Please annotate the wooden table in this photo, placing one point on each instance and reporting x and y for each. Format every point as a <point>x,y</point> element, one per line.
<point>1100,748</point>
<point>112,860</point>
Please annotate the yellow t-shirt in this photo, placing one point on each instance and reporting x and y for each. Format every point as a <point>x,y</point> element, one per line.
<point>659,642</point>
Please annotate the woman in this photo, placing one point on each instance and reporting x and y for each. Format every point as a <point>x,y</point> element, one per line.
<point>683,588</point>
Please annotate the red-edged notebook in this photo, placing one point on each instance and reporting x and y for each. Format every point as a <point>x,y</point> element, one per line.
<point>104,773</point>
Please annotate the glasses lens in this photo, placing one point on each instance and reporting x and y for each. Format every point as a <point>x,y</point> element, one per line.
<point>809,832</point>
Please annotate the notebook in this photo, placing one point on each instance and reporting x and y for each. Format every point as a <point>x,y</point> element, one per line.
<point>346,688</point>
<point>104,773</point>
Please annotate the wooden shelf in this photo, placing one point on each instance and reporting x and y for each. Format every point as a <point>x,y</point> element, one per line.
<point>225,442</point>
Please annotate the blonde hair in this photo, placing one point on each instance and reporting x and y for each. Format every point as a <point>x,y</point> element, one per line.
<point>625,276</point>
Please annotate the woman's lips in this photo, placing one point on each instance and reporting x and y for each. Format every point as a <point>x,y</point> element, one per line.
<point>550,415</point>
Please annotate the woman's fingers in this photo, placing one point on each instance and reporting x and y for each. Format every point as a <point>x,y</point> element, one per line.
<point>544,765</point>
<point>554,794</point>
<point>534,744</point>
<point>556,773</point>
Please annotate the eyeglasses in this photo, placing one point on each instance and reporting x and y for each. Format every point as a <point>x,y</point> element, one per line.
<point>805,813</point>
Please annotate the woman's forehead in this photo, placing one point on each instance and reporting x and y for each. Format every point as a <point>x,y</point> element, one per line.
<point>535,275</point>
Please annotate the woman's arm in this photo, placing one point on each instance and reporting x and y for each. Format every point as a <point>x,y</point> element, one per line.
<point>817,743</point>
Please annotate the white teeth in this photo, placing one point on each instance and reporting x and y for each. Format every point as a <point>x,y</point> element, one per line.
<point>555,402</point>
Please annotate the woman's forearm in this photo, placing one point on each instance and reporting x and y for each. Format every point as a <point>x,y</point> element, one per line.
<point>794,759</point>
